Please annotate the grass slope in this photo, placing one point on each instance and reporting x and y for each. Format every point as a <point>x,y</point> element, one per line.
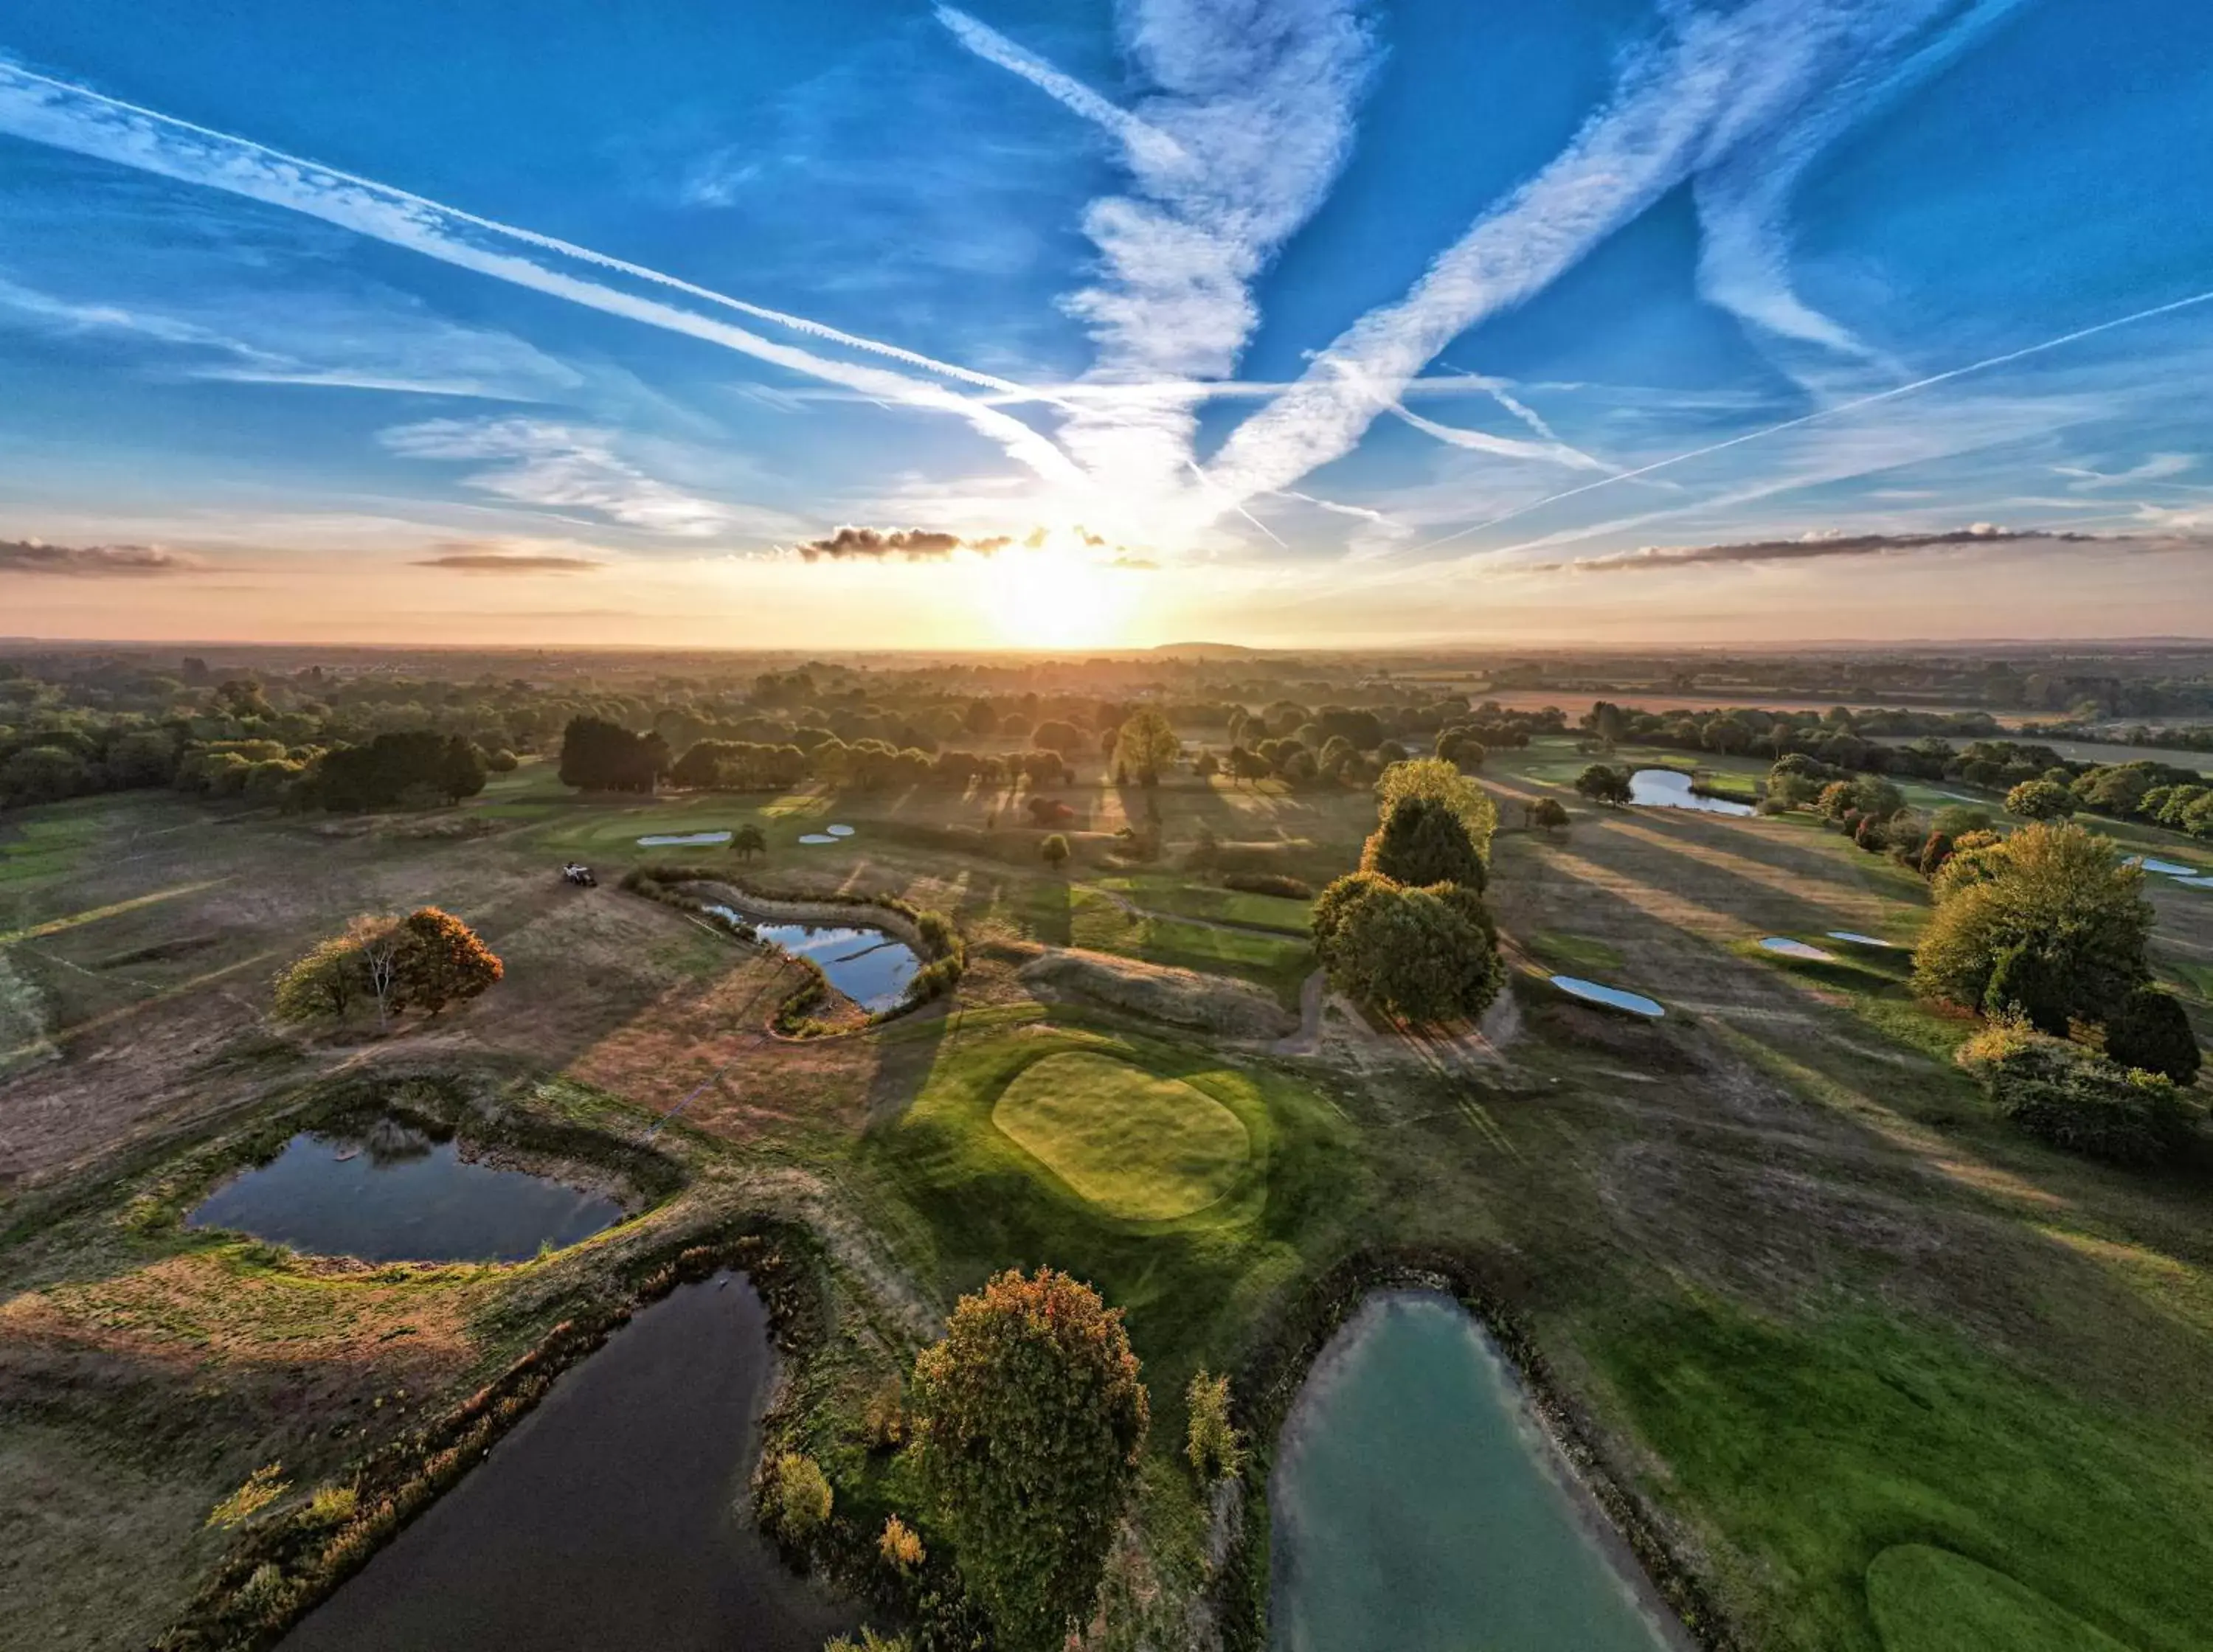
<point>1133,1144</point>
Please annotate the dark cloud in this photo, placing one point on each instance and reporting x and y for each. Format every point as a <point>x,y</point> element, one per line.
<point>91,561</point>
<point>510,562</point>
<point>874,543</point>
<point>1859,545</point>
<point>851,544</point>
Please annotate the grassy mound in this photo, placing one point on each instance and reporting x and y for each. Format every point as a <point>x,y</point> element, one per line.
<point>1925,1599</point>
<point>1136,1145</point>
<point>1182,997</point>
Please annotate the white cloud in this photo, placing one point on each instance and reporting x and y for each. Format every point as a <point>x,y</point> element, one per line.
<point>1249,125</point>
<point>563,467</point>
<point>379,342</point>
<point>47,111</point>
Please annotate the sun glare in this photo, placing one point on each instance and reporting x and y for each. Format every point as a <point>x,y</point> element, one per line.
<point>1056,598</point>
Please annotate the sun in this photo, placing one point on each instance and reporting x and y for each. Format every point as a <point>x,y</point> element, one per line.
<point>1055,598</point>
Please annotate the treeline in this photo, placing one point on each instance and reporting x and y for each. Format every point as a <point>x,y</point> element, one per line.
<point>1835,745</point>
<point>601,756</point>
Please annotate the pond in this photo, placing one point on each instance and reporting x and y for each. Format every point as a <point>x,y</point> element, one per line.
<point>1670,789</point>
<point>1784,945</point>
<point>613,1516</point>
<point>867,965</point>
<point>672,839</point>
<point>1613,997</point>
<point>1418,1505</point>
<point>397,1195</point>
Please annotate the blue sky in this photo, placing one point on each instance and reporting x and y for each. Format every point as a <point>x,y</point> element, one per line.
<point>1304,321</point>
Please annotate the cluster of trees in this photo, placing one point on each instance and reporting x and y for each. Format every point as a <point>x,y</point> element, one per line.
<point>2048,928</point>
<point>426,960</point>
<point>1408,934</point>
<point>601,756</point>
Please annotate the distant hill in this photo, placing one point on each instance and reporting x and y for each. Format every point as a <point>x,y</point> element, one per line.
<point>1203,650</point>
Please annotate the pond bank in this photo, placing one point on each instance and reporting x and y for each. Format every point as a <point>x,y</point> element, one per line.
<point>1268,1386</point>
<point>1416,1500</point>
<point>284,1567</point>
<point>614,1517</point>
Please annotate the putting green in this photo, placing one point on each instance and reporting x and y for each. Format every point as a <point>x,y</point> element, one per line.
<point>1129,1140</point>
<point>1926,1600</point>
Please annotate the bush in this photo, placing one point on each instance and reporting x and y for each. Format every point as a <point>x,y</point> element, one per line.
<point>1210,1443</point>
<point>900,1545</point>
<point>798,1495</point>
<point>1054,849</point>
<point>1269,883</point>
<point>2150,1032</point>
<point>2076,1098</point>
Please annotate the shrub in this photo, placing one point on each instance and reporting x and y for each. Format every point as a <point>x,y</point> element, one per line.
<point>2151,1032</point>
<point>798,1495</point>
<point>900,1545</point>
<point>503,761</point>
<point>332,1505</point>
<point>1213,1447</point>
<point>867,1640</point>
<point>262,1487</point>
<point>1054,849</point>
<point>1269,883</point>
<point>2076,1098</point>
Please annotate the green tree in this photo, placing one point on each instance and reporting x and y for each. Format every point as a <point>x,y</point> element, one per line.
<point>1435,778</point>
<point>1549,813</point>
<point>1145,745</point>
<point>2049,920</point>
<point>2039,800</point>
<point>1422,842</point>
<point>1030,1421</point>
<point>1055,851</point>
<point>747,841</point>
<point>2150,1032</point>
<point>1603,783</point>
<point>440,961</point>
<point>1425,955</point>
<point>322,986</point>
<point>42,774</point>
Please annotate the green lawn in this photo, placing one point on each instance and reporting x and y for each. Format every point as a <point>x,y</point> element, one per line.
<point>1926,1600</point>
<point>1817,1443</point>
<point>1131,1144</point>
<point>1166,893</point>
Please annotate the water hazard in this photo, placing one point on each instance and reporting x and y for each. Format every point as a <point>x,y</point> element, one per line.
<point>613,1517</point>
<point>1670,789</point>
<point>399,1197</point>
<point>1612,996</point>
<point>1418,1505</point>
<point>868,966</point>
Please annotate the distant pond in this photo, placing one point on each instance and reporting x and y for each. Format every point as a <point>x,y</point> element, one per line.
<point>1670,789</point>
<point>867,965</point>
<point>614,1517</point>
<point>397,1195</point>
<point>1418,1505</point>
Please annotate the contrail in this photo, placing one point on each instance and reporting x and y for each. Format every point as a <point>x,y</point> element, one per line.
<point>297,172</point>
<point>1824,413</point>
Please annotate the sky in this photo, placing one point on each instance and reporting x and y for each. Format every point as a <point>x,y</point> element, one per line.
<point>1069,323</point>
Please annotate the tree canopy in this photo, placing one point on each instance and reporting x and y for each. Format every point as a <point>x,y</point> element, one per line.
<point>1427,955</point>
<point>1440,782</point>
<point>1030,1422</point>
<point>1422,841</point>
<point>1144,745</point>
<point>597,755</point>
<point>2049,921</point>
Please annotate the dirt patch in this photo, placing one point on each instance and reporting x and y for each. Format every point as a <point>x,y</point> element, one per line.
<point>1181,997</point>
